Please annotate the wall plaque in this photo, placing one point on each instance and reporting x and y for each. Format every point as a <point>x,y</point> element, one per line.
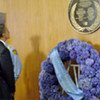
<point>84,15</point>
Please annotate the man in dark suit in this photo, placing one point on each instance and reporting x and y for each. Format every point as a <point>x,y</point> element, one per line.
<point>7,81</point>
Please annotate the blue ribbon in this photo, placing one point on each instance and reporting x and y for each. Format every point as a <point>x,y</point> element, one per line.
<point>64,78</point>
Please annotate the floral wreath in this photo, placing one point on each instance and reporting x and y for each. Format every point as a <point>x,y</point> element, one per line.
<point>89,80</point>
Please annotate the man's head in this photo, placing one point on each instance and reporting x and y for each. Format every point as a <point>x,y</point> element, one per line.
<point>4,33</point>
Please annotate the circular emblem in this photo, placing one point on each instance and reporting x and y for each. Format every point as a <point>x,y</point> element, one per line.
<point>84,15</point>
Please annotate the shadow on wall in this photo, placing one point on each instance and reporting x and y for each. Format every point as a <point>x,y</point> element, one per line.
<point>32,69</point>
<point>96,46</point>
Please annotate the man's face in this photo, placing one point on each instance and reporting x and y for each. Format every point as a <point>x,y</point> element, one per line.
<point>6,34</point>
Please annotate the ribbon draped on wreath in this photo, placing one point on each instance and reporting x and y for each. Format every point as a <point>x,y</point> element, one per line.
<point>54,76</point>
<point>64,77</point>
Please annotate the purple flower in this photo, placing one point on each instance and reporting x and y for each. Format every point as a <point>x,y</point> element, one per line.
<point>94,54</point>
<point>72,54</point>
<point>85,83</point>
<point>89,61</point>
<point>87,94</point>
<point>88,71</point>
<point>66,98</point>
<point>94,98</point>
<point>78,49</point>
<point>47,66</point>
<point>61,46</point>
<point>93,91</point>
<point>64,55</point>
<point>98,74</point>
<point>98,90</point>
<point>85,54</point>
<point>94,81</point>
<point>86,46</point>
<point>75,42</point>
<point>80,60</point>
<point>96,66</point>
<point>46,78</point>
<point>98,60</point>
<point>55,96</point>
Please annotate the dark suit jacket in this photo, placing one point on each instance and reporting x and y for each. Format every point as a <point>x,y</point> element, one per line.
<point>7,81</point>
